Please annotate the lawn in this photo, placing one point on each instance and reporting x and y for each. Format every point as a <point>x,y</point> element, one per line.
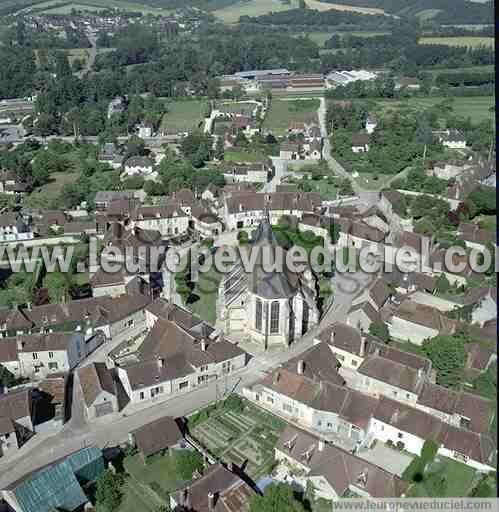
<point>231,13</point>
<point>241,436</point>
<point>471,41</point>
<point>458,477</point>
<point>488,222</point>
<point>44,196</point>
<point>476,107</point>
<point>182,116</point>
<point>148,485</point>
<point>240,155</point>
<point>206,292</point>
<point>284,112</point>
<point>467,69</point>
<point>366,180</point>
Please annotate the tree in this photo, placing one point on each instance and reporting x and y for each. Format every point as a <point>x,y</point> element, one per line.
<point>277,498</point>
<point>135,147</point>
<point>380,330</point>
<point>448,358</point>
<point>429,451</point>
<point>58,285</point>
<point>443,284</point>
<point>187,462</point>
<point>109,493</point>
<point>219,148</point>
<point>7,380</point>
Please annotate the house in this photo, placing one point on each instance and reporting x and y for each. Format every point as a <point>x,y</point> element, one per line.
<point>268,308</point>
<point>98,390</point>
<point>57,486</point>
<point>217,490</point>
<point>321,406</point>
<point>251,173</point>
<point>360,142</point>
<point>334,473</point>
<point>172,360</point>
<point>409,83</point>
<point>210,193</point>
<point>9,356</point>
<point>290,151</point>
<point>358,234</point>
<point>205,222</point>
<point>10,184</point>
<point>8,437</point>
<point>478,359</point>
<point>138,166</point>
<point>376,294</point>
<point>452,139</point>
<point>408,428</point>
<point>371,123</point>
<point>483,300</point>
<point>169,219</point>
<point>109,154</point>
<point>116,106</point>
<point>362,315</point>
<point>474,236</point>
<point>17,406</point>
<point>41,354</point>
<point>104,198</point>
<point>161,435</point>
<point>119,283</point>
<point>13,228</point>
<point>415,322</point>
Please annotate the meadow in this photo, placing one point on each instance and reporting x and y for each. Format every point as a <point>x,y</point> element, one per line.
<point>183,115</point>
<point>231,13</point>
<point>284,112</point>
<point>470,41</point>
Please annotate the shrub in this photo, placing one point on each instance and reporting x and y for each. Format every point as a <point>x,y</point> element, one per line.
<point>187,463</point>
<point>414,471</point>
<point>430,449</point>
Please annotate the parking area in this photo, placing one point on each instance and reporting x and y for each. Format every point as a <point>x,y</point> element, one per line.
<point>389,459</point>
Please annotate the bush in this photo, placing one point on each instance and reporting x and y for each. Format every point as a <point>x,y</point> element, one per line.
<point>430,449</point>
<point>109,494</point>
<point>414,471</point>
<point>187,463</point>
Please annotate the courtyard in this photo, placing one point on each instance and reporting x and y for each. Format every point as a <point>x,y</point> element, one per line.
<point>245,437</point>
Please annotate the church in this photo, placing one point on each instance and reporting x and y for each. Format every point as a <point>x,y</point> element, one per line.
<point>267,308</point>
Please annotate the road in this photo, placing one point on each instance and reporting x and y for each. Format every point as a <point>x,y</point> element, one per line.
<point>92,54</point>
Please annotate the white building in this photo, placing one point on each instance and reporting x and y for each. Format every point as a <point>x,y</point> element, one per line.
<point>98,390</point>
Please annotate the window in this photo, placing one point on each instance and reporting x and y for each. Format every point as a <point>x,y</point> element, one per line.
<point>270,400</point>
<point>36,369</point>
<point>53,366</point>
<point>141,395</point>
<point>400,435</point>
<point>408,396</point>
<point>395,393</point>
<point>258,315</point>
<point>35,355</point>
<point>183,385</point>
<point>354,362</point>
<point>287,408</point>
<point>464,422</point>
<point>340,357</point>
<point>51,355</point>
<point>129,323</point>
<point>274,318</point>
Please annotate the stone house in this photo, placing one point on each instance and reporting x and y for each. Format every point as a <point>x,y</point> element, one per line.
<point>98,389</point>
<point>484,303</point>
<point>360,143</point>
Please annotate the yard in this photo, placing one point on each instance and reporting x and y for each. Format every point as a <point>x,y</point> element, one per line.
<point>44,196</point>
<point>284,112</point>
<point>205,295</point>
<point>246,436</point>
<point>444,478</point>
<point>368,181</point>
<point>183,115</point>
<point>241,155</point>
<point>147,486</point>
<point>471,41</point>
<point>477,107</point>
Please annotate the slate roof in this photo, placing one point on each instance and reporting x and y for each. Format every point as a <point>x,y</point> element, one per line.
<point>44,342</point>
<point>16,404</point>
<point>342,336</point>
<point>8,350</point>
<point>425,316</point>
<point>157,435</point>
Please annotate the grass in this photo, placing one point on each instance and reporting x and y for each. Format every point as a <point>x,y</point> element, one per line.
<point>207,290</point>
<point>45,195</point>
<point>323,6</point>
<point>231,13</point>
<point>240,155</point>
<point>477,108</point>
<point>137,493</point>
<point>183,115</point>
<point>488,222</point>
<point>59,7</point>
<point>471,41</point>
<point>284,112</point>
<point>459,480</point>
<point>365,180</point>
<point>467,69</point>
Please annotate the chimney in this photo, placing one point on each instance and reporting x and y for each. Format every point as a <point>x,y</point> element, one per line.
<point>420,373</point>
<point>203,345</point>
<point>332,337</point>
<point>320,446</point>
<point>276,377</point>
<point>300,367</point>
<point>211,501</point>
<point>28,306</point>
<point>161,362</point>
<point>363,343</point>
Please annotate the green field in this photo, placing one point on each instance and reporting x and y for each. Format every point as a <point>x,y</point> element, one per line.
<point>469,69</point>
<point>231,13</point>
<point>45,195</point>
<point>283,112</point>
<point>240,155</point>
<point>60,7</point>
<point>183,115</point>
<point>459,479</point>
<point>471,41</point>
<point>477,108</point>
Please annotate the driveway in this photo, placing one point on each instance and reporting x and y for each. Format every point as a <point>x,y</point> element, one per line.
<point>387,458</point>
